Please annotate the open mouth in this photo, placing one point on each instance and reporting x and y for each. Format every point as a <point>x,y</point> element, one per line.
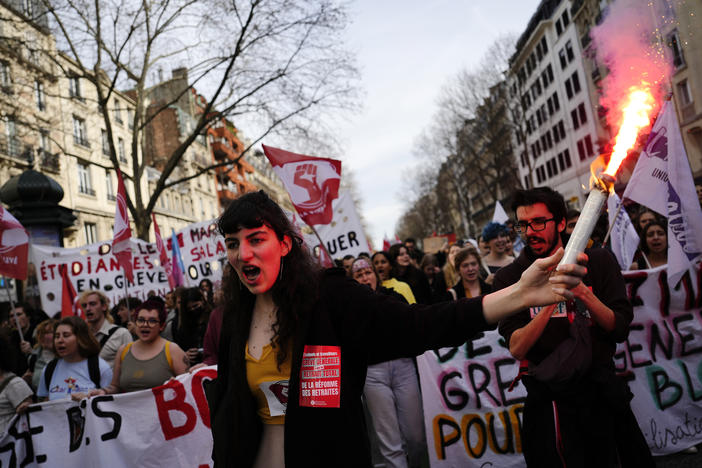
<point>60,349</point>
<point>251,273</point>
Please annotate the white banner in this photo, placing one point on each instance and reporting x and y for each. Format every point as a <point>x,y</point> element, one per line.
<point>471,420</point>
<point>344,235</point>
<point>95,267</point>
<point>165,426</point>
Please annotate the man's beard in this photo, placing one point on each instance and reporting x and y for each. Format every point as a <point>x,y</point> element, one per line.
<point>547,252</point>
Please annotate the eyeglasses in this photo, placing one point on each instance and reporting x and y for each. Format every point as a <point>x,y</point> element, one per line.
<point>151,322</point>
<point>536,225</point>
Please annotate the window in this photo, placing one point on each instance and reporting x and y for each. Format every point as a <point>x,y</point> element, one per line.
<point>565,18</point>
<point>118,112</point>
<point>5,80</point>
<point>581,150</point>
<point>569,89</point>
<point>556,136</point>
<point>105,143</point>
<point>576,82</point>
<point>684,94</point>
<point>582,113</point>
<point>84,184</point>
<point>202,208</point>
<point>74,87</point>
<point>130,118</point>
<point>523,159</point>
<point>13,146</point>
<point>526,182</point>
<point>120,150</point>
<point>588,146</point>
<point>569,51</point>
<point>39,92</point>
<point>90,233</point>
<point>108,186</point>
<point>561,162</point>
<point>566,156</point>
<point>574,117</point>
<point>79,132</point>
<point>556,105</point>
<point>44,143</point>
<point>544,45</point>
<point>559,28</point>
<point>562,58</point>
<point>561,129</point>
<point>28,8</point>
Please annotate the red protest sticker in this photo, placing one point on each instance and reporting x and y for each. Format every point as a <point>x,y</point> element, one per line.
<point>320,377</point>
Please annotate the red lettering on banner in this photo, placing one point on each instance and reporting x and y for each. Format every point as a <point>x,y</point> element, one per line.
<point>177,403</point>
<point>199,393</point>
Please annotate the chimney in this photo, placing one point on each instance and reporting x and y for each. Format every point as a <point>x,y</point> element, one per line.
<point>180,73</point>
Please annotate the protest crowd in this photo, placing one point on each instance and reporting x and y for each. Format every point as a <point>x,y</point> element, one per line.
<point>565,350</point>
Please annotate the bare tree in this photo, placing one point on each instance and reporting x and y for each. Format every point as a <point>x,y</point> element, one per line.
<point>278,66</point>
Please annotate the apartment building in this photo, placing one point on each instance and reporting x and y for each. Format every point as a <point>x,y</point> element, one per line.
<point>547,81</point>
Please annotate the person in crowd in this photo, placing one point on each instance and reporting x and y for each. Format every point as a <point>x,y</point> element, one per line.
<point>210,346</point>
<point>122,314</point>
<point>383,266</point>
<point>495,234</point>
<point>467,263</point>
<point>483,246</point>
<point>653,246</point>
<point>450,273</point>
<point>150,360</point>
<point>571,381</point>
<point>284,314</point>
<point>172,300</point>
<point>365,255</point>
<point>572,217</point>
<point>645,216</point>
<point>347,261</point>
<point>403,270</point>
<point>42,353</point>
<point>15,394</point>
<point>392,394</point>
<point>109,336</point>
<point>24,341</point>
<point>430,267</point>
<point>415,254</point>
<point>207,290</point>
<point>78,370</point>
<point>517,242</point>
<point>191,324</point>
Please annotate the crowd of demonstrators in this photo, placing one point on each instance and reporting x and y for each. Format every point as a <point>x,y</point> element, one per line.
<point>150,360</point>
<point>190,323</point>
<point>283,307</point>
<point>392,393</point>
<point>435,276</point>
<point>42,352</point>
<point>383,266</point>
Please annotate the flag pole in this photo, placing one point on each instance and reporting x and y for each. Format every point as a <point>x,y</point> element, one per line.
<point>12,304</point>
<point>611,226</point>
<point>321,243</point>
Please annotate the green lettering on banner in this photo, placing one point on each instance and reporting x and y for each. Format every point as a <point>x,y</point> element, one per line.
<point>659,382</point>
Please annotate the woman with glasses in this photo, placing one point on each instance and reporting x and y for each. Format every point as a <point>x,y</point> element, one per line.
<point>150,360</point>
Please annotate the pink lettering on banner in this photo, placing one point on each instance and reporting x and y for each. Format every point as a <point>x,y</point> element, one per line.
<point>320,377</point>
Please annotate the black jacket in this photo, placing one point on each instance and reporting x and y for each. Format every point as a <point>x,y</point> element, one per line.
<point>369,328</point>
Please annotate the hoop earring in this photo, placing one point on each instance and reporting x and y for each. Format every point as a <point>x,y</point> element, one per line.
<point>280,272</point>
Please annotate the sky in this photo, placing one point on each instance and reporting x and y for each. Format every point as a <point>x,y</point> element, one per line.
<point>406,51</point>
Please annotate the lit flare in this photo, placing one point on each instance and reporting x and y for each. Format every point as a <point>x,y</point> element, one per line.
<point>635,116</point>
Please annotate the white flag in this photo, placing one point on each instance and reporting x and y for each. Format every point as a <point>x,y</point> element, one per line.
<point>344,235</point>
<point>662,181</point>
<point>625,239</point>
<point>500,215</point>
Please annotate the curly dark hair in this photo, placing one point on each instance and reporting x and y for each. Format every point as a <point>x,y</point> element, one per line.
<point>294,293</point>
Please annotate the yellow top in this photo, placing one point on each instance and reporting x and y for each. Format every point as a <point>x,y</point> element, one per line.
<point>268,385</point>
<point>401,288</point>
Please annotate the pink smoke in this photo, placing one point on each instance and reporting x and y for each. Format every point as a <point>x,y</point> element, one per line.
<point>626,42</point>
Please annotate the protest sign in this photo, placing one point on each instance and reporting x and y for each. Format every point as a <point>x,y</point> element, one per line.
<point>95,267</point>
<point>344,234</point>
<point>164,426</point>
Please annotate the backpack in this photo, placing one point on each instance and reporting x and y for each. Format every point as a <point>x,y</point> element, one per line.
<point>93,371</point>
<point>8,378</point>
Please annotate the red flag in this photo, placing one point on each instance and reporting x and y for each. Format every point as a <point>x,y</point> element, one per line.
<point>123,232</point>
<point>163,255</point>
<point>312,183</point>
<point>69,298</point>
<point>14,246</point>
<point>324,258</point>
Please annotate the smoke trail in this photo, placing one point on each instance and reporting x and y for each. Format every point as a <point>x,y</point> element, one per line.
<point>628,44</point>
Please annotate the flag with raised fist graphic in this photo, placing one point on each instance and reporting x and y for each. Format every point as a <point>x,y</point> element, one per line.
<point>312,183</point>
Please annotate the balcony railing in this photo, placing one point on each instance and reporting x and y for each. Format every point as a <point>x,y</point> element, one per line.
<point>79,140</point>
<point>50,162</point>
<point>86,190</point>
